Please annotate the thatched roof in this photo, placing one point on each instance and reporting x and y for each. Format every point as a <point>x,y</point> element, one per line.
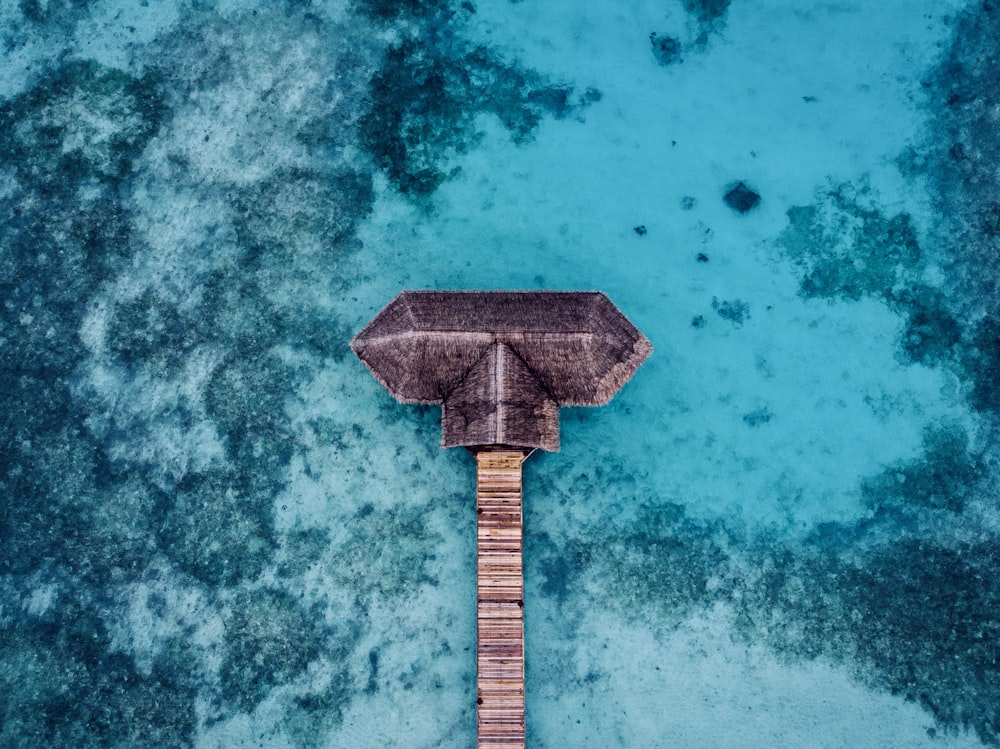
<point>502,362</point>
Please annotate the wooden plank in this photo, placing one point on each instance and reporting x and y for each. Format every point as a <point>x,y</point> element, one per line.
<point>500,607</point>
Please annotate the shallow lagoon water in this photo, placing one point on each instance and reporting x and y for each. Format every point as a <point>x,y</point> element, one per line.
<point>219,531</point>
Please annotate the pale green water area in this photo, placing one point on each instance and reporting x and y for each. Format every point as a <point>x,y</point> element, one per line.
<point>218,530</point>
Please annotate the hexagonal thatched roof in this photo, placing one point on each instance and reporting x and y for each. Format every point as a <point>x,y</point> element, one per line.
<point>502,362</point>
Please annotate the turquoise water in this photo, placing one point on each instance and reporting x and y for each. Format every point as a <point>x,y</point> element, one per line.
<point>218,530</point>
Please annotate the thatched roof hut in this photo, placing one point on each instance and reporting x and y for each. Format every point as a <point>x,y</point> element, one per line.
<point>501,362</point>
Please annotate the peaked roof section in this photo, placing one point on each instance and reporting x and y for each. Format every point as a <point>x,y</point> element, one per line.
<point>500,402</point>
<point>555,349</point>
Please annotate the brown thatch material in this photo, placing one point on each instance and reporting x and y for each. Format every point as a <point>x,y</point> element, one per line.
<point>502,362</point>
<point>500,402</point>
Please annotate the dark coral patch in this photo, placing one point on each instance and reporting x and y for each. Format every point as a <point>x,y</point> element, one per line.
<point>736,311</point>
<point>424,100</point>
<point>82,121</point>
<point>246,396</point>
<point>982,361</point>
<point>916,618</point>
<point>269,640</point>
<point>552,99</point>
<point>64,505</point>
<point>758,417</point>
<point>54,12</point>
<point>391,9</point>
<point>913,616</point>
<point>847,248</point>
<point>932,334</point>
<point>61,684</point>
<point>313,714</point>
<point>962,166</point>
<point>560,563</point>
<point>707,11</point>
<point>217,531</point>
<point>301,549</point>
<point>66,232</point>
<point>152,330</point>
<point>942,478</point>
<point>658,566</point>
<point>275,215</point>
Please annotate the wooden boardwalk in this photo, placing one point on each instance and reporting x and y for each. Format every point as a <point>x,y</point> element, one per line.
<point>500,608</point>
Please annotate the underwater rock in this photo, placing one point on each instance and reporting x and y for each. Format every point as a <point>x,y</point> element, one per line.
<point>757,417</point>
<point>666,49</point>
<point>698,321</point>
<point>702,257</point>
<point>741,197</point>
<point>640,230</point>
<point>688,202</point>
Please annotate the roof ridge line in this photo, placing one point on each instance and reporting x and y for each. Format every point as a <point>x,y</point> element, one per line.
<point>534,373</point>
<point>499,369</point>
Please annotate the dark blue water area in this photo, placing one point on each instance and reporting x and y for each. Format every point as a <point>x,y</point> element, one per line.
<point>218,530</point>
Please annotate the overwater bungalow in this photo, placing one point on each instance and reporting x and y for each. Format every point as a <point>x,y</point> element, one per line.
<point>500,364</point>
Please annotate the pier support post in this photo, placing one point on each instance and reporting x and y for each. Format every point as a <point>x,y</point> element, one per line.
<point>500,592</point>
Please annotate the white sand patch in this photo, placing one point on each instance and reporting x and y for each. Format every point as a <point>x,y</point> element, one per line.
<point>113,29</point>
<point>162,609</point>
<point>697,687</point>
<point>41,598</point>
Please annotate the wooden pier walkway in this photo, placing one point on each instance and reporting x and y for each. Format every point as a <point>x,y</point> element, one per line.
<point>500,609</point>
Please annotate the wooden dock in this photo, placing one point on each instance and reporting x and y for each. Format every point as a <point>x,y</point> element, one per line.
<point>500,609</point>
